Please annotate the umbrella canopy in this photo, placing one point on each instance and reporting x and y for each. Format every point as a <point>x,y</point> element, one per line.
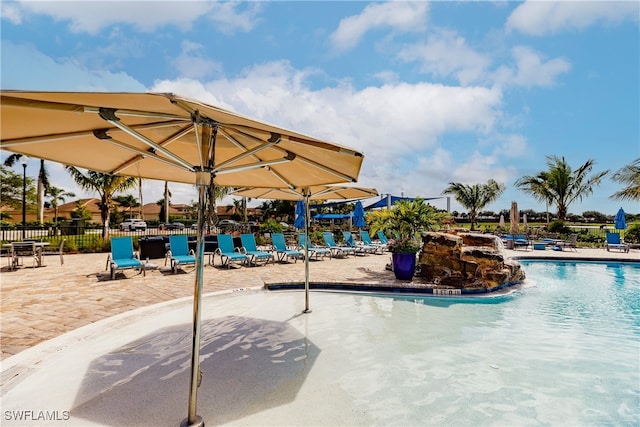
<point>315,192</point>
<point>514,219</point>
<point>358,216</point>
<point>501,221</point>
<point>300,221</point>
<point>170,138</point>
<point>525,227</point>
<point>620,220</point>
<point>167,137</point>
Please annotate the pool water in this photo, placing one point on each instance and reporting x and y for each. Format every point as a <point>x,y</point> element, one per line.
<point>563,352</point>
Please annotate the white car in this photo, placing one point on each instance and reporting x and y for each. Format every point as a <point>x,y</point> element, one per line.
<point>133,224</point>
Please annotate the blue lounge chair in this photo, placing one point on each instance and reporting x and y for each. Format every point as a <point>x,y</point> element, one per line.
<point>228,253</point>
<point>383,238</point>
<point>366,239</point>
<point>516,241</point>
<point>314,250</point>
<point>359,249</point>
<point>282,251</point>
<point>122,256</point>
<point>614,242</point>
<point>179,252</point>
<point>250,248</point>
<point>336,250</point>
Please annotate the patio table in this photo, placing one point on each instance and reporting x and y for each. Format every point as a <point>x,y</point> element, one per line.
<point>39,252</point>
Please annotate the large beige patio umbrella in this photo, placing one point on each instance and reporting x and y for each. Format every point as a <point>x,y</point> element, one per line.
<point>314,192</point>
<point>168,137</point>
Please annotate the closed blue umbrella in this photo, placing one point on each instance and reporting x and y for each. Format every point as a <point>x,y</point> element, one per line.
<point>299,222</point>
<point>358,216</point>
<point>620,221</point>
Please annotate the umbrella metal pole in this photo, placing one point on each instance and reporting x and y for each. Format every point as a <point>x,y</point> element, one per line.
<point>306,254</point>
<point>193,419</point>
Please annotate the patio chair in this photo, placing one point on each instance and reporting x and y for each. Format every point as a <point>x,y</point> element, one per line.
<point>336,250</point>
<point>55,250</point>
<point>366,239</point>
<point>383,239</point>
<point>614,242</point>
<point>282,251</point>
<point>123,257</point>
<point>22,250</point>
<point>571,242</point>
<point>179,252</point>
<point>228,253</point>
<point>358,248</point>
<point>250,248</point>
<point>314,250</point>
<point>516,241</point>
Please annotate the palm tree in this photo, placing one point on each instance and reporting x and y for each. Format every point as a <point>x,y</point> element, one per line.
<point>42,186</point>
<point>475,197</point>
<point>629,175</point>
<point>106,185</point>
<point>560,184</point>
<point>539,188</point>
<point>128,202</point>
<point>57,195</point>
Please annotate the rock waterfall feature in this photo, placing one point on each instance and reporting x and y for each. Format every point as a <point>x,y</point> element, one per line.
<point>467,260</point>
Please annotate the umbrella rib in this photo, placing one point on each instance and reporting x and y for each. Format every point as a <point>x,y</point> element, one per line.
<point>251,152</point>
<point>326,169</point>
<point>110,116</point>
<point>231,169</point>
<point>137,113</point>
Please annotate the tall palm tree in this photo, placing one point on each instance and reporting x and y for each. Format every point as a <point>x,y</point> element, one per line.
<point>629,175</point>
<point>475,197</point>
<point>42,186</point>
<point>560,184</point>
<point>57,195</point>
<point>106,185</point>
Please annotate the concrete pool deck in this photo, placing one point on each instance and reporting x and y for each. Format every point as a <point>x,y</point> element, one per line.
<point>58,320</point>
<point>38,304</point>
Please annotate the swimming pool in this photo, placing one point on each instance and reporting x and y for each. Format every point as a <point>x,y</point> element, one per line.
<point>562,352</point>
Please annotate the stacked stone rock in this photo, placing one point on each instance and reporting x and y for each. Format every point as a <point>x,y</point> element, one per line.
<point>467,260</point>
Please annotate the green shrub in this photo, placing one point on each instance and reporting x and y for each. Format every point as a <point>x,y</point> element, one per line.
<point>558,227</point>
<point>632,234</point>
<point>271,226</point>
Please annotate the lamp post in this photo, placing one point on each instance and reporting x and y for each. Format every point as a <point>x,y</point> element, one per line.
<point>25,159</point>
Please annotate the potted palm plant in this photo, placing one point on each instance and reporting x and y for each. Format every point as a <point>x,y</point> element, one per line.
<point>403,223</point>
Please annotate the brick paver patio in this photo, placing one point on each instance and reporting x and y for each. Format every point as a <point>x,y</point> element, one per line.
<point>38,304</point>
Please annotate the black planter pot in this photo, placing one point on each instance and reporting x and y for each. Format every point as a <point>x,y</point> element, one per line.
<point>404,266</point>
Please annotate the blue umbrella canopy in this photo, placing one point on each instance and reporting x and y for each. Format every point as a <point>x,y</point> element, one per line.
<point>358,216</point>
<point>299,222</point>
<point>620,221</point>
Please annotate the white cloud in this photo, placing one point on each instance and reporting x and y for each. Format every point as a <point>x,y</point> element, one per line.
<point>530,69</point>
<point>229,20</point>
<point>444,54</point>
<point>397,16</point>
<point>193,63</point>
<point>397,126</point>
<point>43,73</point>
<point>11,12</point>
<point>547,17</point>
<point>92,16</point>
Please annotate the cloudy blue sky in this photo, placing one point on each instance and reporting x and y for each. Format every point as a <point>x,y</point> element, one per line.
<point>430,92</point>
